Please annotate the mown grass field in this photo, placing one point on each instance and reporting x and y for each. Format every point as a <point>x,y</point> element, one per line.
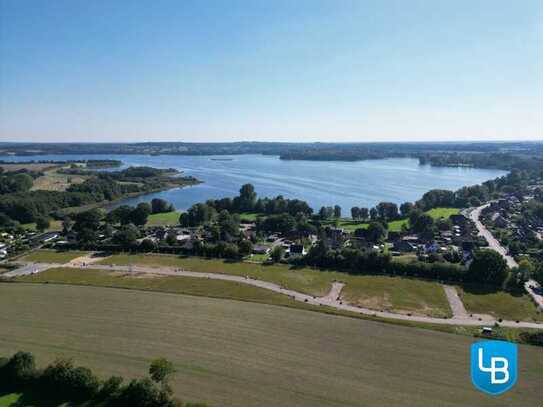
<point>230,353</point>
<point>501,304</point>
<point>163,219</point>
<point>53,256</point>
<point>385,293</point>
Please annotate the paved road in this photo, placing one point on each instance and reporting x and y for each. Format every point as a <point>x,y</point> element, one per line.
<point>493,243</point>
<point>531,286</point>
<point>29,268</point>
<point>319,301</point>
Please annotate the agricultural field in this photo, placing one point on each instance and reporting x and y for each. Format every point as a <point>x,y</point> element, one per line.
<point>230,353</point>
<point>500,304</point>
<point>375,292</point>
<point>163,219</point>
<point>53,256</point>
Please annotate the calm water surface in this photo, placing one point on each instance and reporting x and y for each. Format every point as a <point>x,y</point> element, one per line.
<point>360,183</point>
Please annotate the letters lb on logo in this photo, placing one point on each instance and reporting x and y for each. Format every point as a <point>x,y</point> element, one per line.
<point>494,366</point>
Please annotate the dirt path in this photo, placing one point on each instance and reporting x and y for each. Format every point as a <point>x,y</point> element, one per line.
<point>334,293</point>
<point>322,301</point>
<point>84,260</point>
<point>456,304</point>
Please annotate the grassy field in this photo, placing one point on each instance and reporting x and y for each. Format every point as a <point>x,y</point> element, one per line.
<point>163,219</point>
<point>260,257</point>
<point>8,400</point>
<point>305,280</point>
<point>249,217</point>
<point>348,224</point>
<point>170,284</point>
<point>55,181</point>
<point>385,293</point>
<point>501,305</point>
<point>397,294</point>
<point>28,400</point>
<point>231,354</point>
<point>52,256</point>
<point>55,226</point>
<point>394,226</point>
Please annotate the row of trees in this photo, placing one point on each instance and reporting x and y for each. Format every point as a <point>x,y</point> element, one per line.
<point>247,201</point>
<point>488,267</point>
<point>63,382</point>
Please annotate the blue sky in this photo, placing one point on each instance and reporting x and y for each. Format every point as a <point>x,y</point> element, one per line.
<point>271,70</point>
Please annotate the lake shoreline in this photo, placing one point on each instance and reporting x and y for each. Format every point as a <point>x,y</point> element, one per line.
<point>320,183</point>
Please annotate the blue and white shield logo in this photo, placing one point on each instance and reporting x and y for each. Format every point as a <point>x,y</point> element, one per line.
<point>494,366</point>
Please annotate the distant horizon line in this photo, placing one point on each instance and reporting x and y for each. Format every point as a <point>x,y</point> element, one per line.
<point>504,141</point>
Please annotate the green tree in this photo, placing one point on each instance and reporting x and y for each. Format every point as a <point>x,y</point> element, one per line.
<point>537,274</point>
<point>406,208</point>
<point>161,206</point>
<point>20,367</point>
<point>277,254</point>
<point>139,215</point>
<point>337,211</point>
<point>42,223</point>
<point>67,224</point>
<point>161,370</point>
<point>171,238</point>
<point>376,232</point>
<point>127,235</point>
<point>247,197</point>
<point>488,267</point>
<point>355,212</point>
<point>245,247</point>
<point>147,245</point>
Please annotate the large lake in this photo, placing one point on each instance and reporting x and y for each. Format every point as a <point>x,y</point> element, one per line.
<point>360,183</point>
